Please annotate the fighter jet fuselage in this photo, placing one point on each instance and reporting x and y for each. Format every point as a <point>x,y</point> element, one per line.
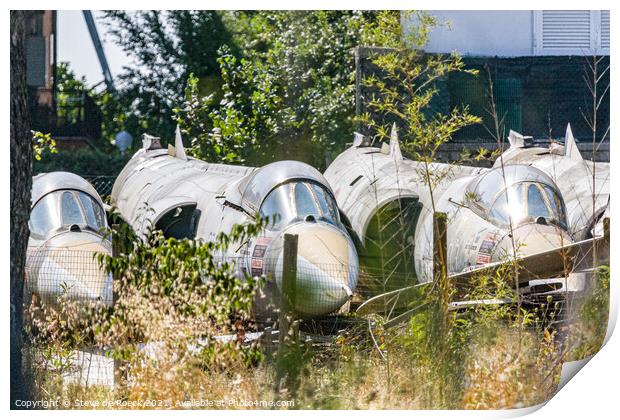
<point>584,184</point>
<point>66,224</point>
<point>189,198</point>
<point>492,214</point>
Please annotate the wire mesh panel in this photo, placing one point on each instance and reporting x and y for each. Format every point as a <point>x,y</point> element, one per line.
<point>320,289</point>
<point>102,183</point>
<point>537,96</point>
<point>73,274</point>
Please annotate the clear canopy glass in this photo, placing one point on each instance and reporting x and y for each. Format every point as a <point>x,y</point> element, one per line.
<point>66,208</point>
<point>516,194</point>
<point>527,202</point>
<point>296,201</point>
<point>45,217</point>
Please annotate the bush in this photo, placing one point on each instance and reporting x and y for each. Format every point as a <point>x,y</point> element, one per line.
<point>83,162</point>
<point>587,333</point>
<point>172,298</point>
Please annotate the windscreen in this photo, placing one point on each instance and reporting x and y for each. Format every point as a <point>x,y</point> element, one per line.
<point>44,217</point>
<point>528,201</point>
<point>66,208</point>
<point>95,216</point>
<point>297,201</point>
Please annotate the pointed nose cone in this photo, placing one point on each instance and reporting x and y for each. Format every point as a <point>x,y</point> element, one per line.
<point>327,268</point>
<point>66,265</point>
<point>531,238</point>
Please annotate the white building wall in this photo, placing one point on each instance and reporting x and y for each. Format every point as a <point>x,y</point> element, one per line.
<point>504,33</point>
<point>517,33</point>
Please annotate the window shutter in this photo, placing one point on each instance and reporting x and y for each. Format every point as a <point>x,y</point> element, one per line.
<point>571,32</point>
<point>566,30</point>
<point>605,30</point>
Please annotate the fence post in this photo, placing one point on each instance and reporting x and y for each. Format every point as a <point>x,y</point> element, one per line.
<point>119,366</point>
<point>115,253</point>
<point>286,324</point>
<point>440,259</point>
<point>289,278</point>
<point>603,246</point>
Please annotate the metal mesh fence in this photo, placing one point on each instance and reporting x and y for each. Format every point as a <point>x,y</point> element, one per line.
<point>318,289</point>
<point>102,183</point>
<point>322,296</point>
<point>536,96</point>
<point>60,272</point>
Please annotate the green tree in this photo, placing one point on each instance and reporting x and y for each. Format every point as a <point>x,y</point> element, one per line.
<point>405,85</point>
<point>244,119</point>
<point>290,93</point>
<point>165,47</point>
<point>69,91</point>
<point>105,160</point>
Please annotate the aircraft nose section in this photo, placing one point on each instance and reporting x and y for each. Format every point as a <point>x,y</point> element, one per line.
<point>531,238</point>
<point>66,265</point>
<point>327,269</point>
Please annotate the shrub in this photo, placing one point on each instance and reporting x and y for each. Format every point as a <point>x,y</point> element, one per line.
<point>173,298</point>
<point>82,162</point>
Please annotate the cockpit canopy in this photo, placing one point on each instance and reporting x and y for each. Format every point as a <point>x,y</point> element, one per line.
<point>61,200</point>
<point>300,200</point>
<point>516,194</point>
<point>255,187</point>
<point>66,208</point>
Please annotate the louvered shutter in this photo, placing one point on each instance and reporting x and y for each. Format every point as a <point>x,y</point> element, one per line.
<point>571,32</point>
<point>605,30</point>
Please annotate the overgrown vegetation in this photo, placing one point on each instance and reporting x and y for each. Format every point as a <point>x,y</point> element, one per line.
<point>166,316</point>
<point>172,298</point>
<point>586,336</point>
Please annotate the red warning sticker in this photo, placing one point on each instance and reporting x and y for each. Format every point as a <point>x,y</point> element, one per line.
<point>486,249</point>
<point>257,267</point>
<point>483,259</point>
<point>259,251</point>
<point>263,240</point>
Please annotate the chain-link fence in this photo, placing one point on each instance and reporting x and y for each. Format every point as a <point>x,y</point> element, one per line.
<point>320,294</point>
<point>102,183</point>
<point>317,290</point>
<point>535,95</point>
<point>52,273</point>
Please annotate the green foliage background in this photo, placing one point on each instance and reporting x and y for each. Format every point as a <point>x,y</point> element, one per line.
<point>246,86</point>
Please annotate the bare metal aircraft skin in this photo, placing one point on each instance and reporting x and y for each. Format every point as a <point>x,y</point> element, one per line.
<point>481,205</point>
<point>186,197</point>
<point>66,224</point>
<point>584,184</point>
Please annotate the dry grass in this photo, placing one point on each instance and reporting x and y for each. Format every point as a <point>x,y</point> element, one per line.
<point>486,359</point>
<point>504,372</point>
